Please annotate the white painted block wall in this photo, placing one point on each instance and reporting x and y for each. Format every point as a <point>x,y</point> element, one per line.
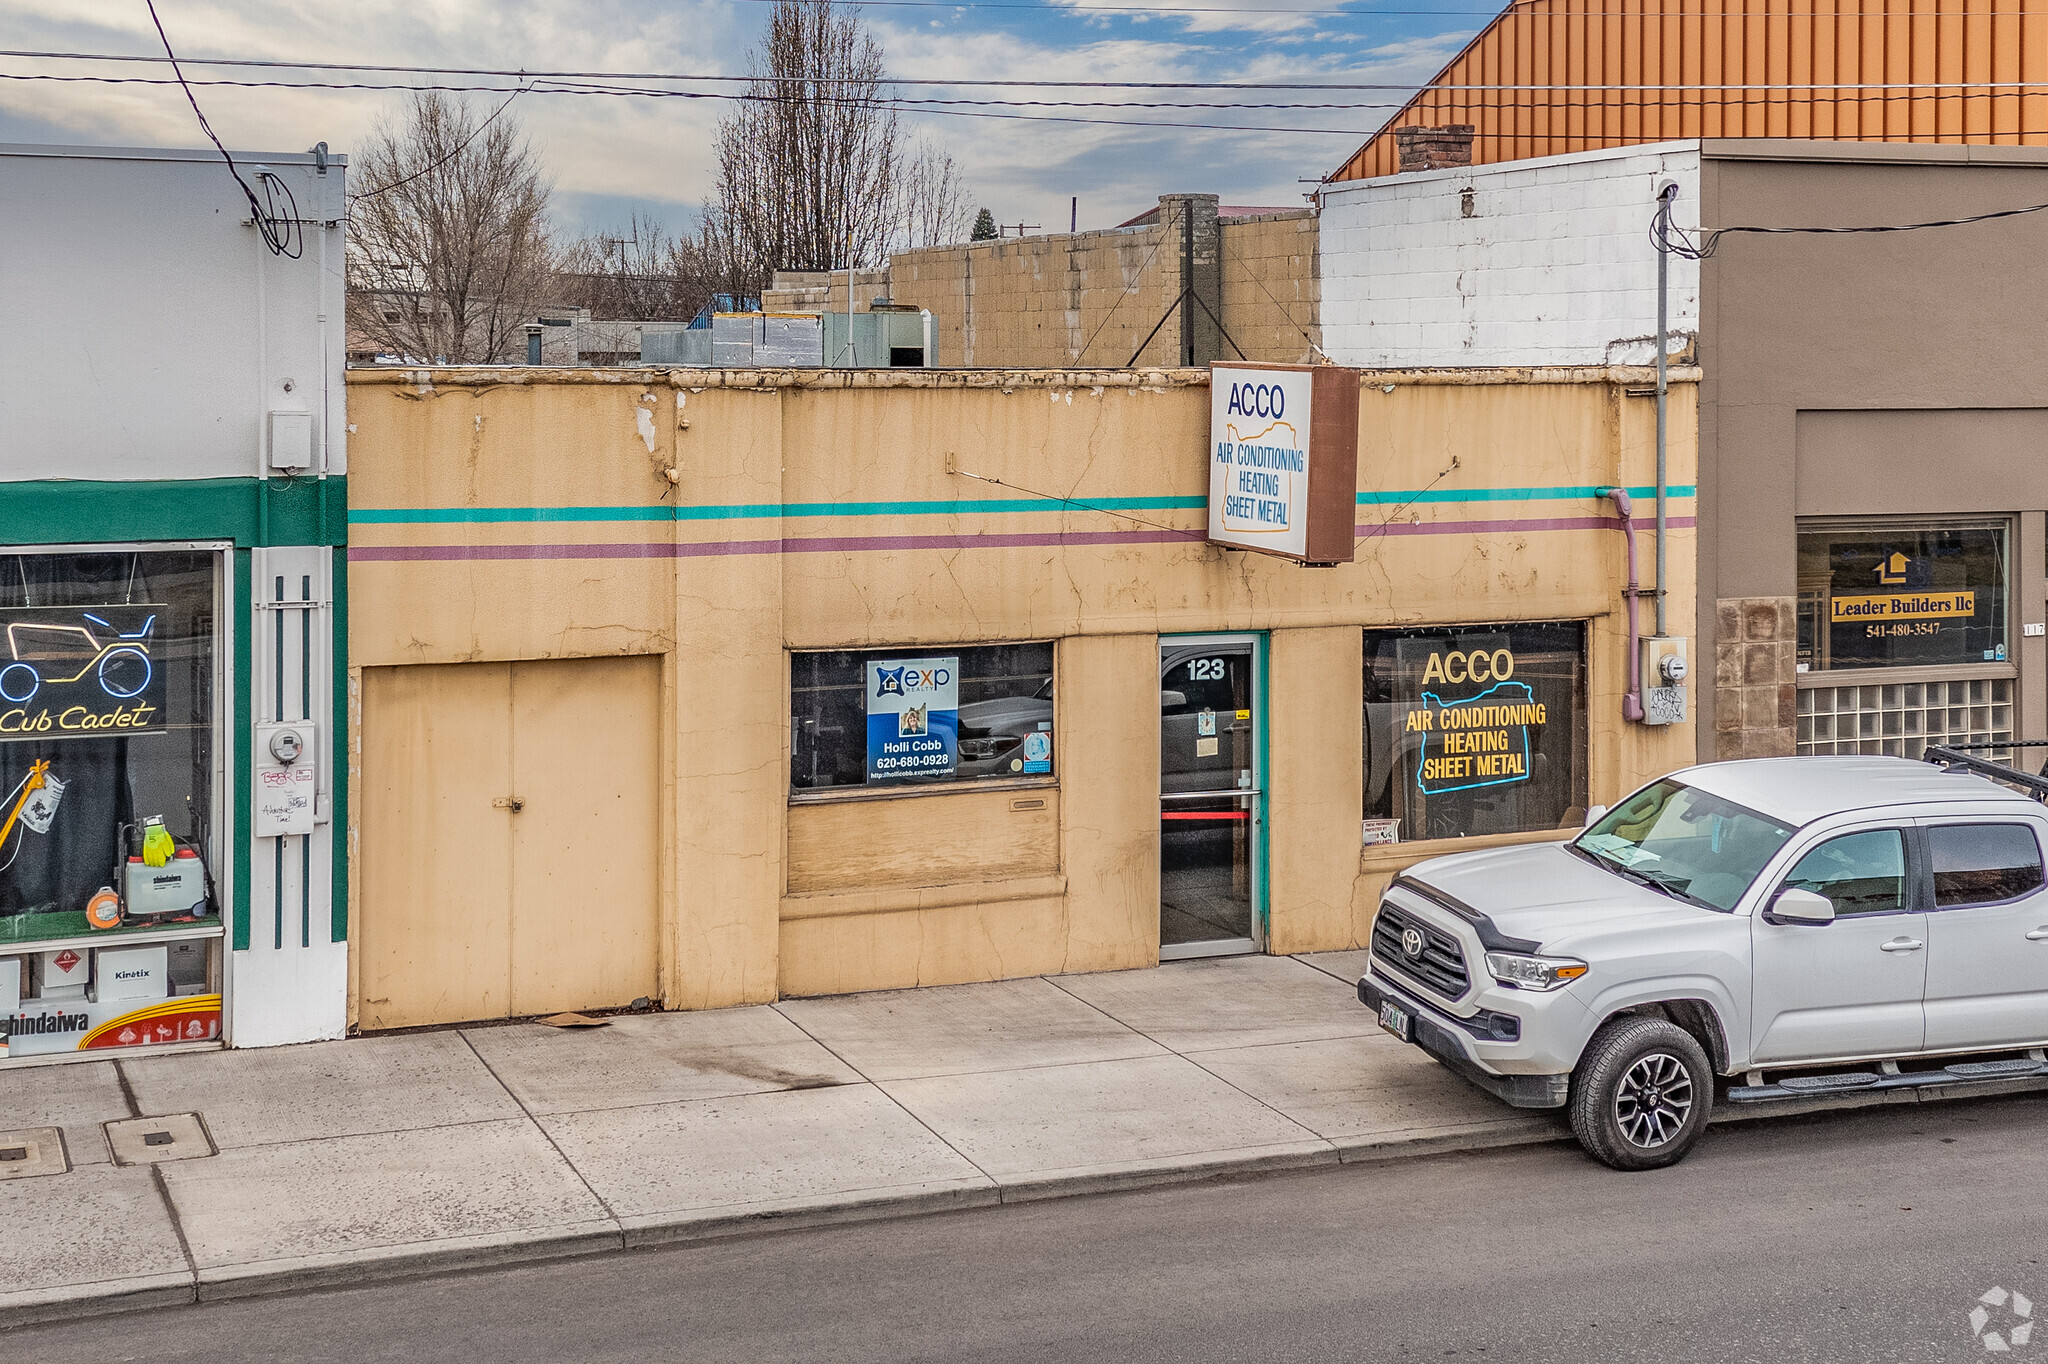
<point>1553,266</point>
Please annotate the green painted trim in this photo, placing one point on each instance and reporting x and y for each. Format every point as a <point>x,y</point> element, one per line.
<point>240,792</point>
<point>337,812</point>
<point>248,511</point>
<point>740,511</point>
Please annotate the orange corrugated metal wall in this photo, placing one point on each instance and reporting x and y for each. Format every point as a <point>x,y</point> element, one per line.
<point>1555,76</point>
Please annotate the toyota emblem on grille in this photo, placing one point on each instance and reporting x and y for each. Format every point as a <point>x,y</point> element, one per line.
<point>1412,941</point>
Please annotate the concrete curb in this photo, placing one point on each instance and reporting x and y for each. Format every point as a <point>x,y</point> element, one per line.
<point>383,1263</point>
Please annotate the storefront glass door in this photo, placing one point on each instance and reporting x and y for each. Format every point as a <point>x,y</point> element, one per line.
<point>1211,804</point>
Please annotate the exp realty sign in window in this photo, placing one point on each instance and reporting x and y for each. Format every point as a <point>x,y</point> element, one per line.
<point>884,718</point>
<point>1475,730</point>
<point>1890,594</point>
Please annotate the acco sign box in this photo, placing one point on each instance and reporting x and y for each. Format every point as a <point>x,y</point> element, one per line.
<point>1283,460</point>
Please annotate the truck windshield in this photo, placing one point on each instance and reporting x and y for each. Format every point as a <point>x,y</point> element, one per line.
<point>1684,842</point>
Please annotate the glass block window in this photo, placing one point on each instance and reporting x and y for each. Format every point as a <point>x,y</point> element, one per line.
<point>1899,719</point>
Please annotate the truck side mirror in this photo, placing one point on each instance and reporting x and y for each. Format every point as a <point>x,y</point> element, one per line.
<point>1794,906</point>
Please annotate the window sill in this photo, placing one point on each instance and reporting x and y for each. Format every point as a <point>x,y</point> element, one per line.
<point>896,899</point>
<point>1396,856</point>
<point>835,794</point>
<point>1877,677</point>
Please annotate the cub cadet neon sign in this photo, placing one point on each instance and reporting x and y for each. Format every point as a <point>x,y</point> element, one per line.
<point>79,673</point>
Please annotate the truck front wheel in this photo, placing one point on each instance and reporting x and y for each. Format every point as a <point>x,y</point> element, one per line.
<point>1641,1094</point>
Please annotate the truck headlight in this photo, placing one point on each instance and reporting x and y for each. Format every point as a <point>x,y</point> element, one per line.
<point>1533,973</point>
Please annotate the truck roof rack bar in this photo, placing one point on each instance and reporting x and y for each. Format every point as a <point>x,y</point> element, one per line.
<point>1959,757</point>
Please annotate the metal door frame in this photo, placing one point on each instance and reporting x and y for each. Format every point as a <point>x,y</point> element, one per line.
<point>1254,642</point>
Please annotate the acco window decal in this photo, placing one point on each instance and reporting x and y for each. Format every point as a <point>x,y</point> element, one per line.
<point>1474,730</point>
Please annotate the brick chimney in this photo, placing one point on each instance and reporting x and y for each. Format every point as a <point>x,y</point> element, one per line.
<point>1424,149</point>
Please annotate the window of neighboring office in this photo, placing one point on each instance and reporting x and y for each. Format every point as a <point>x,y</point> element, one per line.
<point>885,719</point>
<point>1880,594</point>
<point>1473,730</point>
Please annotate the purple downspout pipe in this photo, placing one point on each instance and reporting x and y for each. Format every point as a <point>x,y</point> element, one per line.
<point>1632,703</point>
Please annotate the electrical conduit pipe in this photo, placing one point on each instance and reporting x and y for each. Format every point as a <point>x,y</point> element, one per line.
<point>1632,701</point>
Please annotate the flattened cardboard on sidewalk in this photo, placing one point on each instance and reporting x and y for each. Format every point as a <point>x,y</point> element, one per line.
<point>1283,460</point>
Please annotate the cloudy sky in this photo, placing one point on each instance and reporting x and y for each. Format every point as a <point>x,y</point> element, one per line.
<point>610,155</point>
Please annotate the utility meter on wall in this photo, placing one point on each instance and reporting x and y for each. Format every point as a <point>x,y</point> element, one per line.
<point>287,779</point>
<point>1664,671</point>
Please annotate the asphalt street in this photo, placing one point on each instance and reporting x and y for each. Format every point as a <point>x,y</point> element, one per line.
<point>1846,1237</point>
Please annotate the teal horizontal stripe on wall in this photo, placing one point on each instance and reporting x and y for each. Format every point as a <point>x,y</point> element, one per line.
<point>390,516</point>
<point>1512,494</point>
<point>248,511</point>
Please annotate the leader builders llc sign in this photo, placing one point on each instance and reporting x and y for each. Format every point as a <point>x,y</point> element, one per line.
<point>1283,462</point>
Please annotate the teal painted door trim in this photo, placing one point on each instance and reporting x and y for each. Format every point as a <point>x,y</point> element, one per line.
<point>338,813</point>
<point>1261,910</point>
<point>248,511</point>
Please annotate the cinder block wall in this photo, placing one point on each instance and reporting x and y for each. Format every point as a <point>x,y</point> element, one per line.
<point>1542,262</point>
<point>1090,298</point>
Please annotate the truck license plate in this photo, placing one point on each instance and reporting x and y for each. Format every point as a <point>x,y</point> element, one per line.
<point>1395,1020</point>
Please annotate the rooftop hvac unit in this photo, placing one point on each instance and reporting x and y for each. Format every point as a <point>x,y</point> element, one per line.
<point>793,339</point>
<point>732,338</point>
<point>885,338</point>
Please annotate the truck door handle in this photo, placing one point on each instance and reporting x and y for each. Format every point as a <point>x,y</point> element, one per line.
<point>1901,945</point>
<point>2038,934</point>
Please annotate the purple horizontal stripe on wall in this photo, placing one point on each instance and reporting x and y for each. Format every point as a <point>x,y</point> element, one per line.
<point>1643,523</point>
<point>855,544</point>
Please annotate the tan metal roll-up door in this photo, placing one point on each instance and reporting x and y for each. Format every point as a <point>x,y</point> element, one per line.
<point>509,838</point>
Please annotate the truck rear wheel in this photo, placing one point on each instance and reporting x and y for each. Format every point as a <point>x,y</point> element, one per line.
<point>1641,1094</point>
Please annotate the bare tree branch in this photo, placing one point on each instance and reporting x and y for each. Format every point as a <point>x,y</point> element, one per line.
<point>448,248</point>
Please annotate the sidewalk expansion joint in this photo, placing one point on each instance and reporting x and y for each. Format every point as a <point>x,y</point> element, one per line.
<point>546,1136</point>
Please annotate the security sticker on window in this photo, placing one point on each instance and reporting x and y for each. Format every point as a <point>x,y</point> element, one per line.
<point>1205,723</point>
<point>1038,751</point>
<point>913,707</point>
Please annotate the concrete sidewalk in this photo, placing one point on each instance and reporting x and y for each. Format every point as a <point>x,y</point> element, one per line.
<point>379,1156</point>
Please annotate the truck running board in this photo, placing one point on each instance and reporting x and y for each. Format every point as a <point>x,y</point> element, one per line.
<point>1814,1086</point>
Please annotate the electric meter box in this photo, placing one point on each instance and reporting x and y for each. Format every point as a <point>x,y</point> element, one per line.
<point>1665,669</point>
<point>132,973</point>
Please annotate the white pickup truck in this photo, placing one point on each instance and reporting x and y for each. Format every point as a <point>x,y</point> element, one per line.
<point>1802,926</point>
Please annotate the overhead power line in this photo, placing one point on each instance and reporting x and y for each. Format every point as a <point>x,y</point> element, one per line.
<point>1674,240</point>
<point>912,105</point>
<point>281,234</point>
<point>710,79</point>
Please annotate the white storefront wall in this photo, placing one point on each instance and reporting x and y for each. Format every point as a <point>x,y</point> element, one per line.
<point>1539,262</point>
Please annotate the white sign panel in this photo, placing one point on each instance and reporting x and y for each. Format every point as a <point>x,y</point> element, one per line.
<point>1259,461</point>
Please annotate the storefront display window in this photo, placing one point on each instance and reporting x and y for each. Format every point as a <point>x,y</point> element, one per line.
<point>920,716</point>
<point>1882,594</point>
<point>1474,730</point>
<point>109,761</point>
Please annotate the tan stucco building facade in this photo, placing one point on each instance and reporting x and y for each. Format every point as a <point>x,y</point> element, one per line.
<point>600,621</point>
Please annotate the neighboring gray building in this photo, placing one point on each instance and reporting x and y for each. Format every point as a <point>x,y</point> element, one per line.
<point>1872,505</point>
